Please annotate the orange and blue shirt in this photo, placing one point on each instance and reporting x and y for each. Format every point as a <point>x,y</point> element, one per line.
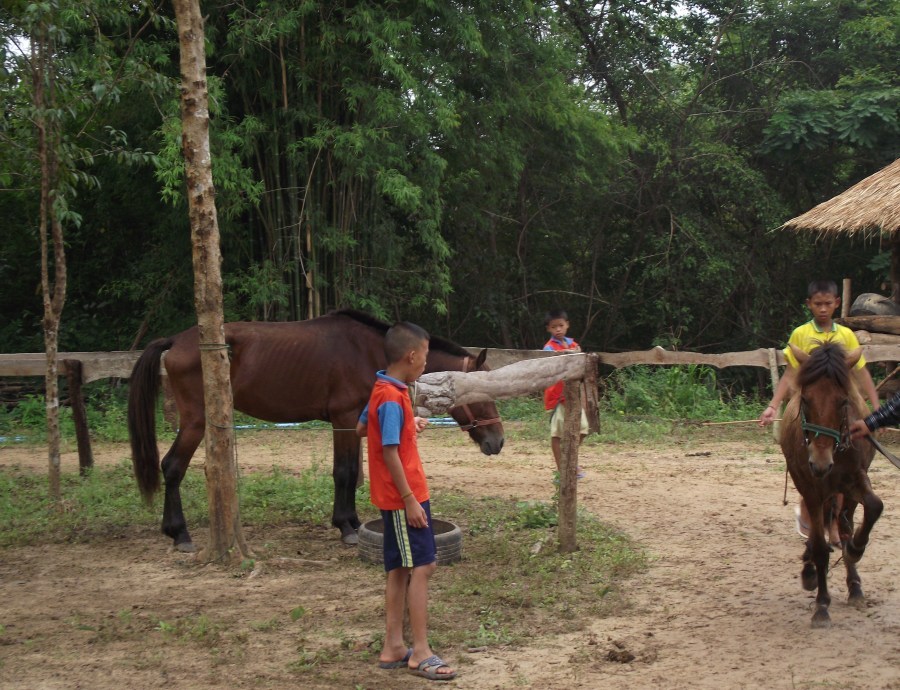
<point>390,421</point>
<point>553,395</point>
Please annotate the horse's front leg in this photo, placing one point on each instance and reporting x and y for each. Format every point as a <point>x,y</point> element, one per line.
<point>820,552</point>
<point>345,473</point>
<point>855,547</point>
<point>174,467</point>
<point>855,596</point>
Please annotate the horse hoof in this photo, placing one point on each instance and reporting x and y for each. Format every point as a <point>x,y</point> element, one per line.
<point>857,601</point>
<point>350,539</point>
<point>186,547</point>
<point>821,619</point>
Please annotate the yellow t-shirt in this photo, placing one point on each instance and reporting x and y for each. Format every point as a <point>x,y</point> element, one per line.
<point>808,337</point>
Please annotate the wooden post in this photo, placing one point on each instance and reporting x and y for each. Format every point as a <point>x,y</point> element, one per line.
<point>773,371</point>
<point>845,300</point>
<point>591,393</point>
<point>568,468</point>
<point>79,415</point>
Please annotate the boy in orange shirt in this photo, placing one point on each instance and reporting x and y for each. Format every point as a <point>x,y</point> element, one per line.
<point>398,488</point>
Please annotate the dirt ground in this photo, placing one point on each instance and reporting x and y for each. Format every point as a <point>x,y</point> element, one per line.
<point>719,607</point>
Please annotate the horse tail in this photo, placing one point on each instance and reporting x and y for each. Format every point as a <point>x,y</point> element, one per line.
<point>142,395</point>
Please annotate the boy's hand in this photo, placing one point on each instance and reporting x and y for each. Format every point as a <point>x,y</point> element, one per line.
<point>415,513</point>
<point>421,423</point>
<point>768,416</point>
<point>858,429</point>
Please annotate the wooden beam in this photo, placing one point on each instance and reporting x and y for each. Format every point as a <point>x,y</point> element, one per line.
<point>95,365</point>
<point>439,391</point>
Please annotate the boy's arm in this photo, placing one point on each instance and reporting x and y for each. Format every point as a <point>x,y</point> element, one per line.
<point>867,385</point>
<point>785,384</point>
<point>362,426</point>
<point>415,513</point>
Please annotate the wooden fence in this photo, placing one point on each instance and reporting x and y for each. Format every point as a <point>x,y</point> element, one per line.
<point>101,365</point>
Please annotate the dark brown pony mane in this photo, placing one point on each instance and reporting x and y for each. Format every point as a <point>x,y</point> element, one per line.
<point>827,361</point>
<point>435,342</point>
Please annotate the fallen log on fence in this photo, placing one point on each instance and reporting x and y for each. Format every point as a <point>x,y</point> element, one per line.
<point>436,393</point>
<point>440,391</point>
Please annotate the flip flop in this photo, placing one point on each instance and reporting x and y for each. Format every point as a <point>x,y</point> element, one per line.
<point>429,669</point>
<point>400,663</point>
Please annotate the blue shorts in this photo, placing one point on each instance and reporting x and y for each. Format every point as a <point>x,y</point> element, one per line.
<point>405,546</point>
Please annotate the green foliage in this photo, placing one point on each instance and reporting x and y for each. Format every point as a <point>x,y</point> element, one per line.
<point>107,501</point>
<point>106,410</point>
<point>278,496</point>
<point>674,392</point>
<point>463,165</point>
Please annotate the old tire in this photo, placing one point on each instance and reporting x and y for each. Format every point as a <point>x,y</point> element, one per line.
<point>447,539</point>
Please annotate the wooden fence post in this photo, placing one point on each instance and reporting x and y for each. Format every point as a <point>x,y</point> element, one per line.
<point>773,372</point>
<point>568,468</point>
<point>79,415</point>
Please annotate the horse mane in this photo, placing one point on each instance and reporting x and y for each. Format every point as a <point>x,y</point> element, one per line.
<point>435,342</point>
<point>827,361</point>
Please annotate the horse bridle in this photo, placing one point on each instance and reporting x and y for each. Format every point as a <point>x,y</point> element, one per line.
<point>841,437</point>
<point>473,422</point>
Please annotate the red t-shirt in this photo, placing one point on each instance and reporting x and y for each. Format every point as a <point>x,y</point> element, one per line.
<point>382,490</point>
<point>553,395</point>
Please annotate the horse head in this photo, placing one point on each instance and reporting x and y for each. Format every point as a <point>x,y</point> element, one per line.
<point>826,394</point>
<point>480,420</point>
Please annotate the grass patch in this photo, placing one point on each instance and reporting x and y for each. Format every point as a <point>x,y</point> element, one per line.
<point>107,502</point>
<point>514,582</point>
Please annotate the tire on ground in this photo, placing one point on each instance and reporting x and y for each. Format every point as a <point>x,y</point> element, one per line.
<point>447,538</point>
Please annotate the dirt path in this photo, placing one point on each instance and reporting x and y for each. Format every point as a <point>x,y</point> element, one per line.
<point>720,606</point>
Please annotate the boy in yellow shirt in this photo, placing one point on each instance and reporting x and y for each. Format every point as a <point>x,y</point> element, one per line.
<point>822,301</point>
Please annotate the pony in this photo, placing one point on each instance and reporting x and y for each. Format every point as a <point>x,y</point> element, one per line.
<point>823,462</point>
<point>323,369</point>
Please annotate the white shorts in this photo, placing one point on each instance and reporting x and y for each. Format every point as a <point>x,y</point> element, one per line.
<point>558,420</point>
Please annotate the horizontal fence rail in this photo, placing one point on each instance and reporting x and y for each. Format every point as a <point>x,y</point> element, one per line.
<point>101,365</point>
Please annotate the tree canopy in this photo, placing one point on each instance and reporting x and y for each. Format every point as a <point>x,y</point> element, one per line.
<point>463,165</point>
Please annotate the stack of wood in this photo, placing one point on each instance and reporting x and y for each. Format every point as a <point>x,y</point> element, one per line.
<point>876,321</point>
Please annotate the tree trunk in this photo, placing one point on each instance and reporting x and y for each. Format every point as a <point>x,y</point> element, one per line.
<point>226,539</point>
<point>53,291</point>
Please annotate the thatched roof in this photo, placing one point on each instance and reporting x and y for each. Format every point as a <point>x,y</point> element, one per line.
<point>869,207</point>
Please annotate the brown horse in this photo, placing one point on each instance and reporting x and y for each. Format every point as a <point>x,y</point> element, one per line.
<point>824,462</point>
<point>322,369</point>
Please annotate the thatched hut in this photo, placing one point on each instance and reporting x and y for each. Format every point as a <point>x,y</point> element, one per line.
<point>870,208</point>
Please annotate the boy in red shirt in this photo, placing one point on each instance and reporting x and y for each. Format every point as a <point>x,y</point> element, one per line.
<point>398,488</point>
<point>557,324</point>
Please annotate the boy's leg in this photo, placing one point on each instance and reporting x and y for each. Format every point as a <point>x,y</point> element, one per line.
<point>556,447</point>
<point>557,419</point>
<point>417,600</point>
<point>394,648</point>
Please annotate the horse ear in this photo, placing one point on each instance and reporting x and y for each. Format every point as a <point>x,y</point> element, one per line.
<point>799,354</point>
<point>480,360</point>
<point>853,356</point>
